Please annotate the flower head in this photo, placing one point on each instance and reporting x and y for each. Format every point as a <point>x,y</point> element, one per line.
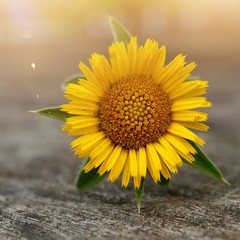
<point>133,114</point>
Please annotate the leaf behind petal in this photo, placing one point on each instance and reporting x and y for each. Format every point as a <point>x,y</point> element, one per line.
<point>53,112</point>
<point>191,77</point>
<point>72,79</point>
<point>120,33</point>
<point>164,181</point>
<point>139,194</point>
<point>86,180</point>
<point>205,165</point>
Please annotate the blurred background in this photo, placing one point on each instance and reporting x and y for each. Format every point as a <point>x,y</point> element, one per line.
<point>42,42</point>
<point>55,35</point>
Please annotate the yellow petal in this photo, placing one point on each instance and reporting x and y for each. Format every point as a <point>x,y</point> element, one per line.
<point>76,132</point>
<point>155,174</point>
<point>172,69</point>
<point>90,76</point>
<point>91,87</point>
<point>142,161</point>
<point>171,150</point>
<point>76,92</point>
<point>118,166</point>
<point>179,77</point>
<point>114,157</point>
<point>78,109</point>
<point>189,116</point>
<point>187,157</point>
<point>181,131</point>
<point>159,64</point>
<point>132,55</point>
<point>186,87</point>
<point>153,162</point>
<point>186,144</point>
<point>102,70</point>
<point>133,162</point>
<point>89,144</point>
<point>101,153</point>
<point>103,168</point>
<point>165,172</point>
<point>126,173</point>
<point>101,148</point>
<point>195,125</point>
<point>166,157</point>
<point>190,103</point>
<point>153,157</point>
<point>95,162</point>
<point>137,182</point>
<point>86,138</point>
<point>175,143</point>
<point>150,57</point>
<point>195,93</point>
<point>119,59</point>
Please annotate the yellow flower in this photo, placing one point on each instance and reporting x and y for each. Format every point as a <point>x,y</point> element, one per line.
<point>133,114</point>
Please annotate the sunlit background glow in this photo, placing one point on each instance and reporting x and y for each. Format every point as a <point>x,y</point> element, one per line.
<point>43,41</point>
<point>193,22</point>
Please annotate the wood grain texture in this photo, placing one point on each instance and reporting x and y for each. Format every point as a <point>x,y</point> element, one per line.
<point>37,171</point>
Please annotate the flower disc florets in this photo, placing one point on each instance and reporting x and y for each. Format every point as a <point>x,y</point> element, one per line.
<point>134,111</point>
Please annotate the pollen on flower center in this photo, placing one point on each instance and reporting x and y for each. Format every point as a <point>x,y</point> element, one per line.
<point>134,111</point>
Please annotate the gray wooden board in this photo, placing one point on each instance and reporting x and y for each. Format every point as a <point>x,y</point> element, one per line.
<point>37,171</point>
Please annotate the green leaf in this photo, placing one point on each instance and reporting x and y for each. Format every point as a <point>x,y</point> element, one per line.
<point>164,181</point>
<point>205,165</point>
<point>72,79</point>
<point>53,112</point>
<point>120,33</point>
<point>86,180</point>
<point>139,194</point>
<point>190,78</point>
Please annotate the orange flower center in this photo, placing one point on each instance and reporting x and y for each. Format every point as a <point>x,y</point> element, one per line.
<point>134,111</point>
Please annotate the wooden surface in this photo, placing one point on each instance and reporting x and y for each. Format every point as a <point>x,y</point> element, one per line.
<point>37,167</point>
